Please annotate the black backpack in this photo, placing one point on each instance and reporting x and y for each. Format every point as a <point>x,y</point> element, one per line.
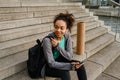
<point>36,60</point>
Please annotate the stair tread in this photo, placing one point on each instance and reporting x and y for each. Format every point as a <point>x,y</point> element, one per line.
<point>96,32</point>
<point>21,76</point>
<point>13,60</point>
<point>18,41</point>
<point>24,76</point>
<point>30,27</point>
<point>32,21</point>
<point>101,57</point>
<point>37,3</point>
<point>8,42</point>
<point>112,72</point>
<point>90,34</point>
<point>106,77</point>
<point>24,55</point>
<point>113,69</point>
<point>23,40</point>
<point>98,43</point>
<point>88,25</point>
<point>23,31</point>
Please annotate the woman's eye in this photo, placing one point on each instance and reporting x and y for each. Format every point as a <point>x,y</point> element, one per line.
<point>56,27</point>
<point>62,28</point>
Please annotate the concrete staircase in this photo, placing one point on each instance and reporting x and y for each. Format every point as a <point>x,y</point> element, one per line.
<point>21,24</point>
<point>112,72</point>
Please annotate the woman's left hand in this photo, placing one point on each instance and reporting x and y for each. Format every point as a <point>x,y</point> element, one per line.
<point>77,64</point>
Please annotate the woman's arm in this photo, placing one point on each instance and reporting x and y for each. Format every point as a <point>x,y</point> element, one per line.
<point>47,48</point>
<point>68,53</point>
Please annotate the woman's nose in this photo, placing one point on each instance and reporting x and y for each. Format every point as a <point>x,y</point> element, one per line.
<point>58,30</point>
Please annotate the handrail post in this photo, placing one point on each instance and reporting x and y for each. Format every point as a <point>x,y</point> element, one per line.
<point>80,38</point>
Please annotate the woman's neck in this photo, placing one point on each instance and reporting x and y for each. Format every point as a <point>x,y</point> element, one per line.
<point>59,39</point>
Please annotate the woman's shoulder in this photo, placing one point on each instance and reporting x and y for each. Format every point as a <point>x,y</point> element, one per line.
<point>47,37</point>
<point>67,35</point>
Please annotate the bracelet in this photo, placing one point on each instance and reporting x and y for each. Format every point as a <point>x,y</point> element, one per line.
<point>73,66</point>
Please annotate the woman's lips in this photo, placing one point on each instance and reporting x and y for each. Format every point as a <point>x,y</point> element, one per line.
<point>58,34</point>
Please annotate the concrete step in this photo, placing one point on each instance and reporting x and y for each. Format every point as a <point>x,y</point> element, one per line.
<point>13,60</point>
<point>6,10</point>
<point>30,3</point>
<point>32,21</point>
<point>113,69</point>
<point>28,30</point>
<point>13,10</point>
<point>14,16</point>
<point>24,31</point>
<point>23,15</point>
<point>19,23</point>
<point>24,43</point>
<point>106,77</point>
<point>96,32</point>
<point>18,44</point>
<point>12,70</point>
<point>31,30</point>
<point>49,8</point>
<point>98,43</point>
<point>88,25</point>
<point>86,19</point>
<point>54,12</point>
<point>100,29</point>
<point>112,50</point>
<point>106,55</point>
<point>91,34</point>
<point>112,72</point>
<point>38,3</point>
<point>103,59</point>
<point>92,25</point>
<point>92,70</point>
<point>23,75</point>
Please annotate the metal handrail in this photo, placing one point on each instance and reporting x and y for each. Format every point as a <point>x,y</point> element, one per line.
<point>115,3</point>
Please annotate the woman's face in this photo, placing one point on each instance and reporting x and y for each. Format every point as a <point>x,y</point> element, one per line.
<point>60,28</point>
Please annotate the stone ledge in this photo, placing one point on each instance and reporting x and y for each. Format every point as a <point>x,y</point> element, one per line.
<point>24,31</point>
<point>25,3</point>
<point>112,51</point>
<point>105,77</point>
<point>10,71</point>
<point>113,69</point>
<point>99,43</point>
<point>93,70</point>
<point>23,40</point>
<point>10,3</point>
<point>13,60</point>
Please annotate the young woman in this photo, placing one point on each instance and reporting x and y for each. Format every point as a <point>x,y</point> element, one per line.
<point>58,50</point>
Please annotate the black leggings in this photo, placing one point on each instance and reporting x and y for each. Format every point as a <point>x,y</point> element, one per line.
<point>64,74</point>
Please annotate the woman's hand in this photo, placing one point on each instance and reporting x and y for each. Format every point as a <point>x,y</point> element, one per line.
<point>77,64</point>
<point>54,42</point>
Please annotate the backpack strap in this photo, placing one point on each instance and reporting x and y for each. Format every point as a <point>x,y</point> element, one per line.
<point>38,41</point>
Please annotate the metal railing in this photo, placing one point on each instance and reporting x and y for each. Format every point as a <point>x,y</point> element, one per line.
<point>112,11</point>
<point>117,28</point>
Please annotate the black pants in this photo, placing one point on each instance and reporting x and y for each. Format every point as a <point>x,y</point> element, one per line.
<point>64,74</point>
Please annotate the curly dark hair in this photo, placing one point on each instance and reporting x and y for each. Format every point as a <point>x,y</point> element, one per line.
<point>67,17</point>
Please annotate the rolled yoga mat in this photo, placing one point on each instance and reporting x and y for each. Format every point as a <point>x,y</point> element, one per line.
<point>80,38</point>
